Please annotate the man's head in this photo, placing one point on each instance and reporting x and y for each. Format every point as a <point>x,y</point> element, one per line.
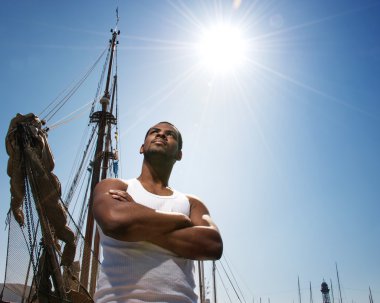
<point>163,139</point>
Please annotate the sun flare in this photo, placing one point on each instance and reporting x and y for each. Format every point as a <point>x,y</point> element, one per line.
<point>222,48</point>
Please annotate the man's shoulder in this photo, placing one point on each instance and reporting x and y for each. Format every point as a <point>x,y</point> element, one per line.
<point>113,183</point>
<point>194,200</point>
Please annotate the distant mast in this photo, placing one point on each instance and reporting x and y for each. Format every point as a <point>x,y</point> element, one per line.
<point>340,291</point>
<point>332,291</point>
<point>299,291</point>
<point>370,296</point>
<point>311,294</point>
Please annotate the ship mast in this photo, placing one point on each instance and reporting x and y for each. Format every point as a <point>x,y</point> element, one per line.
<point>105,120</point>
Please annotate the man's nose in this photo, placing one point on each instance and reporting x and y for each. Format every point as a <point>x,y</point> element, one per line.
<point>161,134</point>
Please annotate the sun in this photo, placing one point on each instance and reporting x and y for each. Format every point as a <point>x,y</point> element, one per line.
<point>222,48</point>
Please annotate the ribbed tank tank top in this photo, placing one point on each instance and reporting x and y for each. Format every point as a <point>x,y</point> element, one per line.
<point>139,272</point>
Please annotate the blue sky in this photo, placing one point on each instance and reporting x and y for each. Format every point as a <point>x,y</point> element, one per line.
<point>284,150</point>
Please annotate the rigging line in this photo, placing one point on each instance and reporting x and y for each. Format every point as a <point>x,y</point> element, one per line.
<point>89,169</point>
<point>233,276</point>
<point>54,100</point>
<point>240,277</point>
<point>80,151</point>
<point>67,98</point>
<point>83,208</point>
<point>101,80</point>
<point>72,91</point>
<point>71,218</point>
<point>76,201</point>
<point>6,262</point>
<point>28,208</point>
<point>228,277</point>
<point>79,112</point>
<point>80,168</point>
<point>67,89</point>
<point>224,286</point>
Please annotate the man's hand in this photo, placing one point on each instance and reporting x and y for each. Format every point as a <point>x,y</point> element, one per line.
<point>199,242</point>
<point>121,195</point>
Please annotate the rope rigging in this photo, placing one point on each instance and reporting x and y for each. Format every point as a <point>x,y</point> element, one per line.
<point>71,116</point>
<point>79,171</point>
<point>233,287</point>
<point>224,286</point>
<point>233,276</point>
<point>70,93</point>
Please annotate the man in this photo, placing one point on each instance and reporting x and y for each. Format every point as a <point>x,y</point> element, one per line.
<point>150,233</point>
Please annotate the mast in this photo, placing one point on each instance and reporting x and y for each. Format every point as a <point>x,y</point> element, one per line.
<point>104,119</point>
<point>332,291</point>
<point>311,294</point>
<point>370,296</point>
<point>299,290</point>
<point>340,291</point>
<point>202,293</point>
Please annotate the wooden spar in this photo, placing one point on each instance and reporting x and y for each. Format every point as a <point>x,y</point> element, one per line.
<point>214,279</point>
<point>103,118</point>
<point>201,282</point>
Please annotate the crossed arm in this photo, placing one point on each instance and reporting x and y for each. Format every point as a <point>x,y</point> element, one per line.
<point>195,237</point>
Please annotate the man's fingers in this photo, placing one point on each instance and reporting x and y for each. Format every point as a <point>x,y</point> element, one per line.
<point>120,195</point>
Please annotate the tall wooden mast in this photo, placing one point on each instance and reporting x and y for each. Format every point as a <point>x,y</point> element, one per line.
<point>104,119</point>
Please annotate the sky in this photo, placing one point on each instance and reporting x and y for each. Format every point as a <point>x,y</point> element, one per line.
<point>283,147</point>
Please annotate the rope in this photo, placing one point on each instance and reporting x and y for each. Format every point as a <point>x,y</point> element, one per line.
<point>100,82</point>
<point>78,157</point>
<point>224,286</point>
<point>83,209</point>
<point>6,262</point>
<point>80,111</point>
<point>79,170</point>
<point>28,207</point>
<point>64,100</point>
<point>233,276</point>
<point>228,277</point>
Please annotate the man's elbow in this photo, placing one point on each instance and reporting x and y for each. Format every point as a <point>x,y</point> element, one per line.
<point>218,250</point>
<point>113,227</point>
<point>214,249</point>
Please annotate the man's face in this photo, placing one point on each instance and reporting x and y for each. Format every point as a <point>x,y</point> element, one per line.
<point>162,139</point>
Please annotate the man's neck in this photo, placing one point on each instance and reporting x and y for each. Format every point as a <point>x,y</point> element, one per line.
<point>155,175</point>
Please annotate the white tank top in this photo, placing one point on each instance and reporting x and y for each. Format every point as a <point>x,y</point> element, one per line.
<point>139,272</point>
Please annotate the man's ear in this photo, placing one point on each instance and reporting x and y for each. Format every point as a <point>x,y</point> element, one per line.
<point>179,155</point>
<point>142,149</point>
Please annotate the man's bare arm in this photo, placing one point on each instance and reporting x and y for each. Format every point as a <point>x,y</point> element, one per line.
<point>199,242</point>
<point>128,220</point>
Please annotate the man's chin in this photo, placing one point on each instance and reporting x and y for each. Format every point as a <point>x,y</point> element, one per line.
<point>157,153</point>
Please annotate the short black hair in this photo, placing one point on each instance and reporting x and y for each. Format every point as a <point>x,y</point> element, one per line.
<point>180,142</point>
